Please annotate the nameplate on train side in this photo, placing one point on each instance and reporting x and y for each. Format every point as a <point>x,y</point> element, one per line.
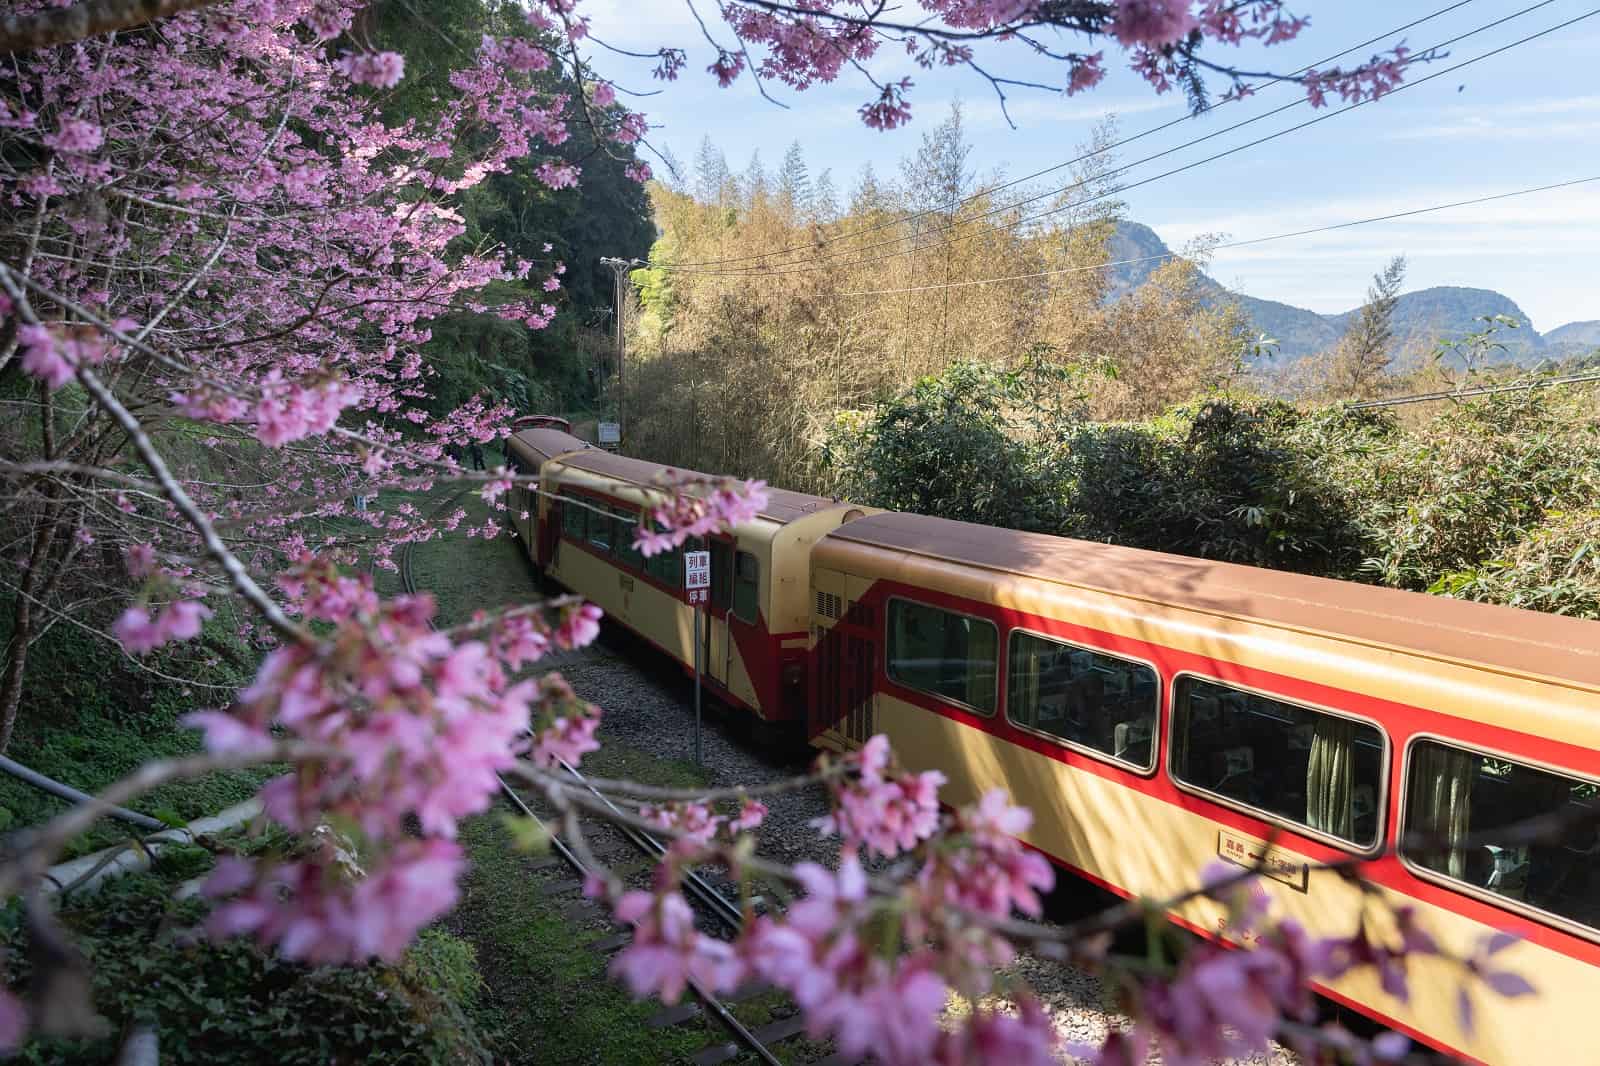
<point>1248,852</point>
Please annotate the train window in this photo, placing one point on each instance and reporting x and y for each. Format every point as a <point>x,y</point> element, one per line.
<point>600,530</point>
<point>1307,767</point>
<point>944,654</point>
<point>1083,697</point>
<point>573,519</point>
<point>627,521</point>
<point>1453,795</point>
<point>666,567</point>
<point>746,587</point>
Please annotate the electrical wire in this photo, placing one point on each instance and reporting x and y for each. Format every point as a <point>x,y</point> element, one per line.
<point>800,268</point>
<point>942,208</point>
<point>1480,390</point>
<point>1230,244</point>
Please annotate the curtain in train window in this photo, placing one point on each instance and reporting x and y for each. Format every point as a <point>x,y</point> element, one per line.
<point>1463,810</point>
<point>1309,767</point>
<point>746,587</point>
<point>1330,776</point>
<point>1082,696</point>
<point>943,653</point>
<point>1439,803</point>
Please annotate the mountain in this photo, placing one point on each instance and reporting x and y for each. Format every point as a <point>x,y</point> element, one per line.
<point>1575,338</point>
<point>1421,318</point>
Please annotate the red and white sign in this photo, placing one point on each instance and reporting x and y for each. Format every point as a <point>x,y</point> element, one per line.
<point>699,597</point>
<point>696,570</point>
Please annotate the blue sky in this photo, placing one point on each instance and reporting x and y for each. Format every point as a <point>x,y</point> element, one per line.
<point>1528,117</point>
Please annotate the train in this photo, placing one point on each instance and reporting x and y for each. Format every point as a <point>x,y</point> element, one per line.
<point>1158,712</point>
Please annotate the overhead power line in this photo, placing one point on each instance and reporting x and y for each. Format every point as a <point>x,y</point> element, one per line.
<point>1480,390</point>
<point>824,264</point>
<point>956,203</point>
<point>1231,244</point>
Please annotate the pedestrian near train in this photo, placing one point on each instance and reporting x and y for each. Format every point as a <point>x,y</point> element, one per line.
<point>476,451</point>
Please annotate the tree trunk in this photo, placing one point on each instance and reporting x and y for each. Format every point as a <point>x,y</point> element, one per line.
<point>22,628</point>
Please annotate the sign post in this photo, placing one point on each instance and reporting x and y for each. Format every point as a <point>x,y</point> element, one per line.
<point>697,588</point>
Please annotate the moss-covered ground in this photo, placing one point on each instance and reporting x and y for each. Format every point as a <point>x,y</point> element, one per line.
<point>546,996</point>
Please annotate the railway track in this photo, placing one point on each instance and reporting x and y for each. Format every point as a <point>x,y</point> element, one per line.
<point>755,1019</point>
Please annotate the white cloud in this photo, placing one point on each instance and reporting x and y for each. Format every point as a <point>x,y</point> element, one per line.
<point>1558,210</point>
<point>1552,118</point>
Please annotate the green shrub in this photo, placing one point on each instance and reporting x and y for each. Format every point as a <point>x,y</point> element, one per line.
<point>233,1003</point>
<point>1490,499</point>
<point>92,716</point>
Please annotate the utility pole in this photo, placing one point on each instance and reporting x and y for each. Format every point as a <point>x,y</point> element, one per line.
<point>619,270</point>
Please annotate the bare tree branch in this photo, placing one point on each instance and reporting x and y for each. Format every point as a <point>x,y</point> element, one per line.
<point>53,26</point>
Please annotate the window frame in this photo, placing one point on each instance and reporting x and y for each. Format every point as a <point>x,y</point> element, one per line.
<point>1467,888</point>
<point>1157,734</point>
<point>572,508</point>
<point>624,518</point>
<point>999,648</point>
<point>1385,767</point>
<point>602,512</point>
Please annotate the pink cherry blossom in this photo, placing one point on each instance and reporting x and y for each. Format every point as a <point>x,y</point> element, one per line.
<point>76,137</point>
<point>751,814</point>
<point>42,357</point>
<point>697,507</point>
<point>139,633</point>
<point>557,175</point>
<point>140,559</point>
<point>13,1022</point>
<point>308,916</point>
<point>667,951</point>
<point>580,625</point>
<point>227,733</point>
<point>382,70</point>
<point>1152,23</point>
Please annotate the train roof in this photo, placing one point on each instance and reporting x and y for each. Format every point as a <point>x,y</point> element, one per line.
<point>1505,638</point>
<point>547,442</point>
<point>783,506</point>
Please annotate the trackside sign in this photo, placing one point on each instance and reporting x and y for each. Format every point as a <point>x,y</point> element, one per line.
<point>697,576</point>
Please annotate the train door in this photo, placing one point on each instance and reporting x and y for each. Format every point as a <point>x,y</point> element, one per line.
<point>845,670</point>
<point>549,532</point>
<point>716,652</point>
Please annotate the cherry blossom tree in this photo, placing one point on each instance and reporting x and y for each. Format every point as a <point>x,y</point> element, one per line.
<point>220,261</point>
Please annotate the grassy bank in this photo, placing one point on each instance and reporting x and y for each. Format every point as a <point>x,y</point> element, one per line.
<point>230,1003</point>
<point>92,715</point>
<point>546,997</point>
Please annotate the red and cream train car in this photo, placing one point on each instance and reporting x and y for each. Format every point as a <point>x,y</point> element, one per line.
<point>755,630</point>
<point>1158,712</point>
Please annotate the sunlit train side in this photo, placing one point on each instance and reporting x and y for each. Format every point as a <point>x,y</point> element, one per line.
<point>1159,712</point>
<point>755,636</point>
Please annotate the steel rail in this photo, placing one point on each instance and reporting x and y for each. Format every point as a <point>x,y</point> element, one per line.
<point>707,998</point>
<point>646,843</point>
<point>721,907</point>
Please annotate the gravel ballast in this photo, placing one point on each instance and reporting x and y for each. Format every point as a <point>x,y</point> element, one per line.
<point>647,704</point>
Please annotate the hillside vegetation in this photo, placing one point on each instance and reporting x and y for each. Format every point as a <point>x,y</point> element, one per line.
<point>1095,398</point>
<point>1492,499</point>
<point>741,371</point>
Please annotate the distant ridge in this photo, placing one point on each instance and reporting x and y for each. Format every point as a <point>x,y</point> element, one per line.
<point>1421,317</point>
